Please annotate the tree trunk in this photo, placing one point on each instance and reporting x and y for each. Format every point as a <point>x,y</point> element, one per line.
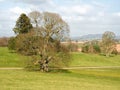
<point>44,63</point>
<point>43,66</point>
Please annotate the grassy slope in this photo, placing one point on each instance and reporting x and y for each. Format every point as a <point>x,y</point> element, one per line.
<point>82,59</point>
<point>104,79</point>
<point>83,79</point>
<point>8,59</point>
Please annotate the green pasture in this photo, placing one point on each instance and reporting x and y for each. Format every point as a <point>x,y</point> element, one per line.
<point>83,79</point>
<point>82,59</point>
<point>12,59</point>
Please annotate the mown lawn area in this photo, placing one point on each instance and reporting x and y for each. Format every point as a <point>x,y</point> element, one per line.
<point>84,79</point>
<point>11,59</point>
<point>82,59</point>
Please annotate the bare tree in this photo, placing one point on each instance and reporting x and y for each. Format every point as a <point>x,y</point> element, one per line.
<point>108,43</point>
<point>51,30</point>
<point>35,17</point>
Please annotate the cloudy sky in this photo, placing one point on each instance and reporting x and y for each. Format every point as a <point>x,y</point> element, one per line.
<point>83,16</point>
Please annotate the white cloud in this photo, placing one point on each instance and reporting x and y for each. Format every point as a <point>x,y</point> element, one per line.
<point>73,18</point>
<point>77,9</point>
<point>0,26</point>
<point>81,9</point>
<point>83,17</point>
<point>17,10</point>
<point>101,14</point>
<point>1,0</point>
<point>33,2</point>
<point>92,18</point>
<point>98,4</point>
<point>116,14</point>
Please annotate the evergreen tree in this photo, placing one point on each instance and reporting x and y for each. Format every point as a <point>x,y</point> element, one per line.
<point>23,25</point>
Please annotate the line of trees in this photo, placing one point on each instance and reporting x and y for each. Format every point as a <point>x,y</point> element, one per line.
<point>106,46</point>
<point>91,47</point>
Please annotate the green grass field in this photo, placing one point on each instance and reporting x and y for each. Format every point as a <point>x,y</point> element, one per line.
<point>9,59</point>
<point>95,79</point>
<point>82,79</point>
<point>82,59</point>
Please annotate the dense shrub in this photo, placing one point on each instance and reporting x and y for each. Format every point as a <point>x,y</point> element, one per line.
<point>11,43</point>
<point>72,47</point>
<point>115,52</point>
<point>85,48</point>
<point>96,48</point>
<point>91,47</point>
<point>4,41</point>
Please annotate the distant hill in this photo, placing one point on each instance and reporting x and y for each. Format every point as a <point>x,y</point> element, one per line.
<point>90,37</point>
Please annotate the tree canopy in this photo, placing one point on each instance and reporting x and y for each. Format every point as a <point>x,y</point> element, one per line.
<point>108,43</point>
<point>43,41</point>
<point>23,24</point>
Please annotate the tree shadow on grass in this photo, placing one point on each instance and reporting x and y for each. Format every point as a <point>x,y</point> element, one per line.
<point>59,71</point>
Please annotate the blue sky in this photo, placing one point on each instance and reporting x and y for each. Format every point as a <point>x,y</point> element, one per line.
<point>83,16</point>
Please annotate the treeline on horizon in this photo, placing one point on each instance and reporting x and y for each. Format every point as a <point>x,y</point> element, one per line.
<point>88,46</point>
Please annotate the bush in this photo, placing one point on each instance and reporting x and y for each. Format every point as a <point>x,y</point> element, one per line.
<point>85,48</point>
<point>91,47</point>
<point>11,43</point>
<point>72,47</point>
<point>96,48</point>
<point>115,52</point>
<point>4,42</point>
